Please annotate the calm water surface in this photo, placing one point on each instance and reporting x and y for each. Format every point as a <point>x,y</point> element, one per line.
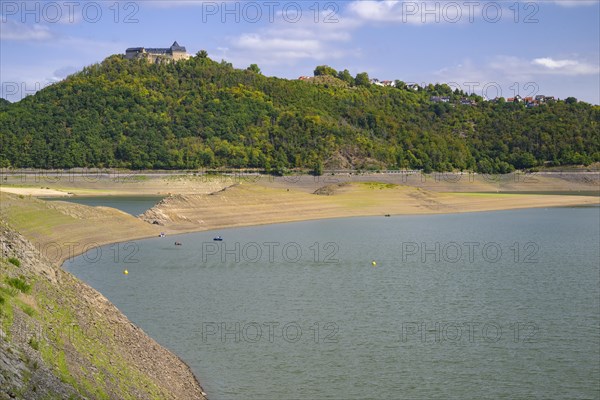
<point>501,305</point>
<point>134,205</point>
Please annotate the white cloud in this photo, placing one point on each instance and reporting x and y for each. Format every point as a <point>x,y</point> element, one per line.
<point>507,76</point>
<point>575,3</point>
<point>426,12</point>
<point>23,76</point>
<point>270,49</point>
<point>565,67</point>
<point>418,12</point>
<point>284,43</point>
<point>179,3</point>
<point>393,11</point>
<point>521,69</point>
<point>375,10</point>
<point>12,30</point>
<point>255,42</point>
<point>562,3</point>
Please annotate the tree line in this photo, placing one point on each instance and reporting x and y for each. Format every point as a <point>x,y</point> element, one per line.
<point>200,113</point>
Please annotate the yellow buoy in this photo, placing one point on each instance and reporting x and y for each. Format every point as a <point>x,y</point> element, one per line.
<point>374,263</point>
<point>125,272</point>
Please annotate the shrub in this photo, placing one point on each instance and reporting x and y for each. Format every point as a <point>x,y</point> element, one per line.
<point>34,345</point>
<point>14,261</point>
<point>19,283</point>
<point>28,310</point>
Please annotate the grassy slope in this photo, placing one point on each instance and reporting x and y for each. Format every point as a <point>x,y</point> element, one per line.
<point>65,325</point>
<point>72,227</point>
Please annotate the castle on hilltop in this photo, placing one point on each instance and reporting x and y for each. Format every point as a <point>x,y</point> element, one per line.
<point>158,55</point>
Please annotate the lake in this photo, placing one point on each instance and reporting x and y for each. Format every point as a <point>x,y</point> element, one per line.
<point>134,205</point>
<point>499,305</point>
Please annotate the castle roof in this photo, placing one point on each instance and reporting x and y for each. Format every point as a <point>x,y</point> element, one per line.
<point>169,50</point>
<point>177,47</point>
<point>158,50</point>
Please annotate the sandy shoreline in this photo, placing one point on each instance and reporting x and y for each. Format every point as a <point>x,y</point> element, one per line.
<point>36,192</point>
<point>247,205</point>
<point>193,204</point>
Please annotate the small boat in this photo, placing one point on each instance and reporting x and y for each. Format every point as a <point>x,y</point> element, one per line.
<point>218,239</point>
<point>178,243</point>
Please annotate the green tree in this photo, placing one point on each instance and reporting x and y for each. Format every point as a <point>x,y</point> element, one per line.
<point>325,70</point>
<point>399,84</point>
<point>318,168</point>
<point>254,68</point>
<point>523,160</point>
<point>346,77</point>
<point>202,54</point>
<point>362,79</point>
<point>571,100</point>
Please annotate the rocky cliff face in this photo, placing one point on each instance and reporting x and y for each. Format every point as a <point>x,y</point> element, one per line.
<point>59,338</point>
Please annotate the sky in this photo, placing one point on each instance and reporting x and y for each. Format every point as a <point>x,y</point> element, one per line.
<point>490,48</point>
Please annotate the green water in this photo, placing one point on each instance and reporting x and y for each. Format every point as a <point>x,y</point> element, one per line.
<point>501,305</point>
<point>133,205</point>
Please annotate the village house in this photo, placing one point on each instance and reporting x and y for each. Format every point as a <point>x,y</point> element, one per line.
<point>377,82</point>
<point>516,99</point>
<point>531,102</point>
<point>439,99</point>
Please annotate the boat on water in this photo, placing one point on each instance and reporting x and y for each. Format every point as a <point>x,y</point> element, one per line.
<point>218,239</point>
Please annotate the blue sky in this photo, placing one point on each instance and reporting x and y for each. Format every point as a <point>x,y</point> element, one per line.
<point>487,47</point>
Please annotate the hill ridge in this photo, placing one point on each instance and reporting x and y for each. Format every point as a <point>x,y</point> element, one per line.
<point>199,113</point>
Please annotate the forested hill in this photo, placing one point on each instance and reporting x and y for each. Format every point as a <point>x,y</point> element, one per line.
<point>203,114</point>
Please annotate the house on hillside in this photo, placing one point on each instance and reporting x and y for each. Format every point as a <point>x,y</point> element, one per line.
<point>439,99</point>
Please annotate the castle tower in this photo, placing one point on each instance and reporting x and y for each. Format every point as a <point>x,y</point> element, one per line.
<point>178,52</point>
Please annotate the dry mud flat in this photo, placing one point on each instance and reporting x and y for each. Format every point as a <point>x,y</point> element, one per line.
<point>146,183</point>
<point>41,192</point>
<point>449,182</point>
<point>255,204</point>
<point>48,184</point>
